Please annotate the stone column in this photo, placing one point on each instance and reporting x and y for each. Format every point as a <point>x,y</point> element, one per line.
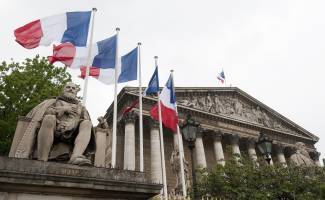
<point>100,155</point>
<point>199,151</point>
<point>129,141</point>
<point>251,148</point>
<point>218,151</point>
<point>155,165</point>
<point>280,155</point>
<point>234,141</point>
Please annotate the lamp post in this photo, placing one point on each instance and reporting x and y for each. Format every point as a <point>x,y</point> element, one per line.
<point>264,145</point>
<point>189,129</point>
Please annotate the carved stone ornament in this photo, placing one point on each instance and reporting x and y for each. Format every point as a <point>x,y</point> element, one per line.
<point>176,169</point>
<point>232,106</point>
<point>301,156</point>
<point>130,117</point>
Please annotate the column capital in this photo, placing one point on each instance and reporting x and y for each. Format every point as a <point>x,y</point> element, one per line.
<point>234,138</point>
<point>251,142</point>
<point>130,117</point>
<point>217,136</point>
<point>279,148</point>
<point>153,123</point>
<point>200,132</point>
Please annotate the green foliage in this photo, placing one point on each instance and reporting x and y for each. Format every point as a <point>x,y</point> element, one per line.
<point>22,87</point>
<point>248,181</point>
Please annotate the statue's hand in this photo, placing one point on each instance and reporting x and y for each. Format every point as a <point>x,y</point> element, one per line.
<point>64,126</point>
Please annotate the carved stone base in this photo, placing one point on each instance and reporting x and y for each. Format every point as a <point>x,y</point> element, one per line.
<point>22,179</point>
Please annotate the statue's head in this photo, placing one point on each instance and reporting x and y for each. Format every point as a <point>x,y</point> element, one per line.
<point>70,90</point>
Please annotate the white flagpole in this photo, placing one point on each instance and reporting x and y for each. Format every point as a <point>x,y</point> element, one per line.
<point>180,148</point>
<point>162,149</point>
<point>140,107</point>
<point>90,44</point>
<point>115,103</point>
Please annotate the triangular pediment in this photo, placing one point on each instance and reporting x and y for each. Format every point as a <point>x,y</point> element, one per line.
<point>238,105</point>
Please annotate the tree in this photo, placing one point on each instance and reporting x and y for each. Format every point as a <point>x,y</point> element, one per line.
<point>248,181</point>
<point>22,87</point>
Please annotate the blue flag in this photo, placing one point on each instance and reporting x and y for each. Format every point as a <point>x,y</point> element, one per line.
<point>153,86</point>
<point>129,67</point>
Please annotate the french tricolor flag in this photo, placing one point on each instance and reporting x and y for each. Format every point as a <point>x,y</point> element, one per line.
<point>168,107</point>
<point>127,68</point>
<point>102,60</point>
<point>103,54</point>
<point>68,27</point>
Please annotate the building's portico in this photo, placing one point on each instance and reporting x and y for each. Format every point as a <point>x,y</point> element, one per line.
<point>228,117</point>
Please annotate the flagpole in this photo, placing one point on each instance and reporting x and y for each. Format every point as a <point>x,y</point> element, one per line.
<point>180,147</point>
<point>115,104</point>
<point>94,10</point>
<point>162,149</point>
<point>140,108</point>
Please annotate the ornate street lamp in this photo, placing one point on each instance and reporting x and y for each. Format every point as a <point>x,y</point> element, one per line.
<point>189,130</point>
<point>264,145</point>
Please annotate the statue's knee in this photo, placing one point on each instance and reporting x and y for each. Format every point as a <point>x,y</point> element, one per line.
<point>49,121</point>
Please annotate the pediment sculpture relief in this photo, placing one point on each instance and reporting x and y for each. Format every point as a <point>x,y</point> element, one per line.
<point>232,106</point>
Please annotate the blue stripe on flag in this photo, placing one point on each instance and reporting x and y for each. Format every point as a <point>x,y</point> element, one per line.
<point>77,28</point>
<point>129,66</point>
<point>106,53</point>
<point>153,86</point>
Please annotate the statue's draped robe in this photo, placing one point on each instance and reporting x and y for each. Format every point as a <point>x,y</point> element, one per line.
<point>24,140</point>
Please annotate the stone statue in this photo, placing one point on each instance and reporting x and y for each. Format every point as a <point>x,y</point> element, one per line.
<point>58,129</point>
<point>301,156</point>
<point>176,168</point>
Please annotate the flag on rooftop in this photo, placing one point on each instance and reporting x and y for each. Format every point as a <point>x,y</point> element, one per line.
<point>168,107</point>
<point>67,27</point>
<point>222,77</point>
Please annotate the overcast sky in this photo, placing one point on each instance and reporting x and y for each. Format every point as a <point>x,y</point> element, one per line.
<point>273,50</point>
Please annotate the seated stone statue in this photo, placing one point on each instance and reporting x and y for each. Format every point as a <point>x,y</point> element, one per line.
<point>57,129</point>
<point>301,156</point>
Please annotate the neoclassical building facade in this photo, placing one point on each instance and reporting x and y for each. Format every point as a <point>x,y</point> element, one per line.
<point>229,117</point>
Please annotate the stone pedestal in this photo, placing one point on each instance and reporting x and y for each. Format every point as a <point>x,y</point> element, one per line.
<point>22,179</point>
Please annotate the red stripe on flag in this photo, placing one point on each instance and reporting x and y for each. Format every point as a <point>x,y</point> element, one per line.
<point>94,71</point>
<point>29,35</point>
<point>129,108</point>
<point>64,53</point>
<point>169,116</point>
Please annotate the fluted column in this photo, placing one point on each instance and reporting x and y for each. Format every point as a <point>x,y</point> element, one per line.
<point>280,155</point>
<point>199,151</point>
<point>234,141</point>
<point>251,148</point>
<point>155,165</point>
<point>129,141</point>
<point>218,151</point>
